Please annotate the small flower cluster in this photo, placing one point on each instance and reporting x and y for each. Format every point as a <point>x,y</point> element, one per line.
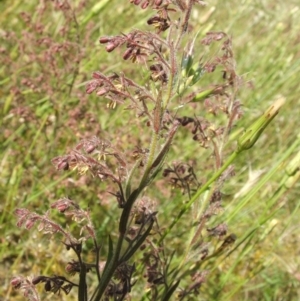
<point>117,88</point>
<point>54,284</point>
<point>122,284</point>
<point>182,176</point>
<point>45,224</point>
<point>197,280</point>
<point>140,45</point>
<point>72,210</point>
<point>154,267</point>
<point>81,159</point>
<point>26,286</point>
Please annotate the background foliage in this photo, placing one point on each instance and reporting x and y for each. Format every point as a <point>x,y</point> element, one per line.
<point>45,111</point>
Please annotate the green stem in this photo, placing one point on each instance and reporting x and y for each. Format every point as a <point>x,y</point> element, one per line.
<point>173,76</point>
<point>199,192</point>
<point>153,147</point>
<point>109,271</point>
<point>171,80</point>
<point>113,263</point>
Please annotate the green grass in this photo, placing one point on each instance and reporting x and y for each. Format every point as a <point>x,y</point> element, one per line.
<point>264,262</point>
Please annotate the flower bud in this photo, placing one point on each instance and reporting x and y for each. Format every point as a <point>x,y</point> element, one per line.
<point>198,72</point>
<point>48,286</point>
<point>101,92</point>
<point>111,46</point>
<point>186,64</point>
<point>104,40</point>
<point>16,282</point>
<point>203,95</point>
<point>38,279</point>
<point>91,87</point>
<point>29,223</point>
<point>250,136</point>
<point>145,4</point>
<point>97,75</point>
<point>127,54</point>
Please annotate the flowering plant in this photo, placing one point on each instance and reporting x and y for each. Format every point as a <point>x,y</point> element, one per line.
<point>172,74</point>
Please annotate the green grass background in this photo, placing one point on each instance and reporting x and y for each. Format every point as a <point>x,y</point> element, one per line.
<point>266,40</point>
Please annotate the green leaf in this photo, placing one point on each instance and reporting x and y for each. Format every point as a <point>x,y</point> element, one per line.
<point>170,291</point>
<point>138,243</point>
<point>203,95</point>
<point>197,75</point>
<point>110,253</point>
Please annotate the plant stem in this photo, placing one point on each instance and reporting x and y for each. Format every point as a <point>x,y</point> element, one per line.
<point>153,147</point>
<point>113,263</point>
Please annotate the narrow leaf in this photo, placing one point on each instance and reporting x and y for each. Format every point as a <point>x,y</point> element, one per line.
<point>170,291</point>
<point>139,242</point>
